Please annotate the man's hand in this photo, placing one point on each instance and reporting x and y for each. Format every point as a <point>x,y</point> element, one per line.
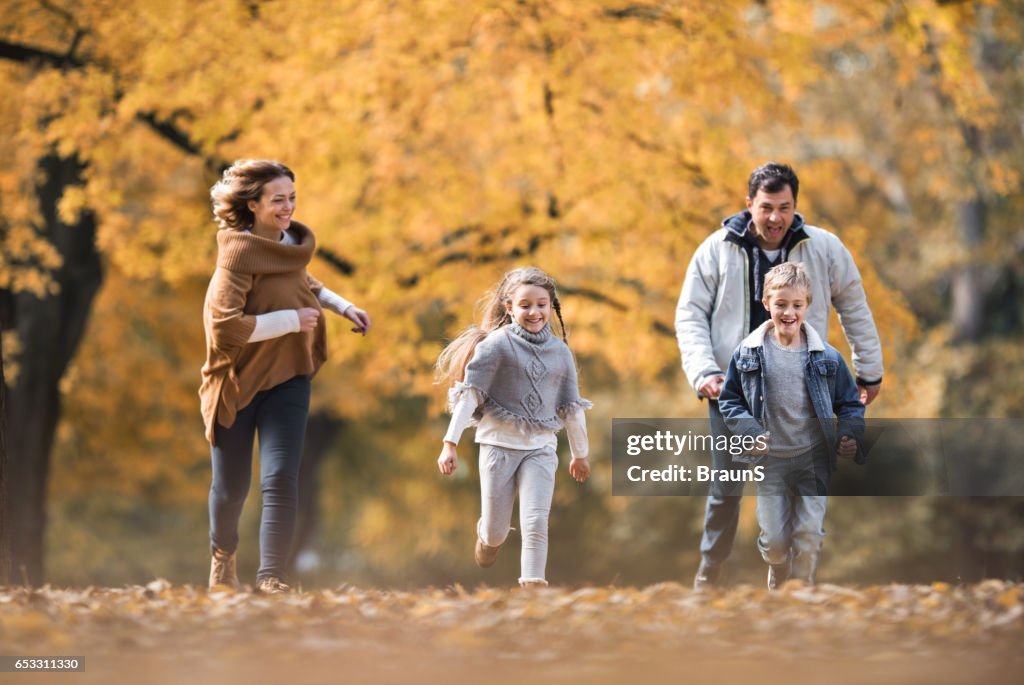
<point>712,387</point>
<point>868,393</point>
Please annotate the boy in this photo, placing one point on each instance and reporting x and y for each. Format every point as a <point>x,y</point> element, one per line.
<point>786,386</point>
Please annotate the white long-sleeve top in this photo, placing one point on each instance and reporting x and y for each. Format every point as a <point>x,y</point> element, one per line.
<point>285,321</point>
<point>493,431</point>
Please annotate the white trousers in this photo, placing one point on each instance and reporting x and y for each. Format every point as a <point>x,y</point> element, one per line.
<point>503,472</point>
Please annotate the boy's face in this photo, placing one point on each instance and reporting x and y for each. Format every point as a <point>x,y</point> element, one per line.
<point>787,307</point>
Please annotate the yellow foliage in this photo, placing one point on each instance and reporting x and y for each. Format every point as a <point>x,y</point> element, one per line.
<point>438,144</point>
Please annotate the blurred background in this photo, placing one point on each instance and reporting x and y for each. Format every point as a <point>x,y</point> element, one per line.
<point>437,145</point>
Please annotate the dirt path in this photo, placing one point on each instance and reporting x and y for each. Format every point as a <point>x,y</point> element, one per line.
<point>664,633</point>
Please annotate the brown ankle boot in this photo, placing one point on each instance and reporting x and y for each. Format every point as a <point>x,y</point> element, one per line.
<point>272,586</point>
<point>223,568</point>
<point>485,555</point>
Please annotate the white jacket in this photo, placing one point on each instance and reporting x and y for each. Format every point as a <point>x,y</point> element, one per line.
<point>713,313</point>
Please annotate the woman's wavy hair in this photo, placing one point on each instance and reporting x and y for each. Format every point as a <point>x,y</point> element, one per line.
<point>243,181</point>
<point>451,365</point>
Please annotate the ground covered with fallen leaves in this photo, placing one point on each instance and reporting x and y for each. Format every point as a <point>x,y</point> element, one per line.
<point>162,633</point>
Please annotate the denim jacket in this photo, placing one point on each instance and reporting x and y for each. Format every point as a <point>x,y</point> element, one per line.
<point>830,385</point>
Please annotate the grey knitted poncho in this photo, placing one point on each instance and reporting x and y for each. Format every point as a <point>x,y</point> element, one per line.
<point>527,378</point>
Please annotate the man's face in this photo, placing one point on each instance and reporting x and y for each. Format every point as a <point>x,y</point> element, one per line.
<point>772,215</point>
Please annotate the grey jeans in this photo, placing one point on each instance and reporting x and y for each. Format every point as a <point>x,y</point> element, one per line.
<point>503,472</point>
<point>791,505</point>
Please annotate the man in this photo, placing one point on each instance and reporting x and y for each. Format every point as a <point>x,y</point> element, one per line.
<point>720,304</point>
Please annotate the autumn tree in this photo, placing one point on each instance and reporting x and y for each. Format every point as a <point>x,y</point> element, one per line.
<point>437,144</point>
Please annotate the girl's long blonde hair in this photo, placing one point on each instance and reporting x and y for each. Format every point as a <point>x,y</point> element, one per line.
<point>451,365</point>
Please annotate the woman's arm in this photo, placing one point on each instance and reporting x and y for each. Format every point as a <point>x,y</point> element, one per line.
<point>339,305</point>
<point>228,326</point>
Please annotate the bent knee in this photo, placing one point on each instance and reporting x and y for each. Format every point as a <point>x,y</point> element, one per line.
<point>493,537</point>
<point>774,548</point>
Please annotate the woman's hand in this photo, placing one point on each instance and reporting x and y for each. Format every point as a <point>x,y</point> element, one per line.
<point>360,318</point>
<point>449,459</point>
<point>579,468</point>
<point>308,316</point>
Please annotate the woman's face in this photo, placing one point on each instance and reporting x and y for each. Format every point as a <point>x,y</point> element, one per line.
<point>275,206</point>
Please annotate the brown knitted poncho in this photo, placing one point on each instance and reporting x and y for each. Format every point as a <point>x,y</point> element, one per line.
<point>255,275</point>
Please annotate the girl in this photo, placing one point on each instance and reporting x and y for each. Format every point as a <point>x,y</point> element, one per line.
<point>265,340</point>
<point>517,382</point>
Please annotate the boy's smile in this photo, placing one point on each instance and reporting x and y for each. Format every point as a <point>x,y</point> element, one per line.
<point>787,307</point>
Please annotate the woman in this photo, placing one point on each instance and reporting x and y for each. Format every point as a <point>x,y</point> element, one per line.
<point>265,340</point>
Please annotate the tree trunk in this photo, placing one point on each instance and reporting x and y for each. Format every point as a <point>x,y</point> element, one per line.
<point>970,284</point>
<point>6,317</point>
<point>49,329</point>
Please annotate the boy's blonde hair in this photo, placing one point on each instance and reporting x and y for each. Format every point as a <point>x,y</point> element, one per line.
<point>788,275</point>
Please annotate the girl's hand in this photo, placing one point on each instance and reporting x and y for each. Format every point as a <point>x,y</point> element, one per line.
<point>360,318</point>
<point>308,316</point>
<point>579,468</point>
<point>449,459</point>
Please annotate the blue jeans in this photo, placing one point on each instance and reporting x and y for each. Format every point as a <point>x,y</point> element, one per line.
<point>722,511</point>
<point>791,505</point>
<point>279,416</point>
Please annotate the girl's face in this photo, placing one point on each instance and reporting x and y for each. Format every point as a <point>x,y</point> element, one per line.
<point>530,307</point>
<point>275,206</point>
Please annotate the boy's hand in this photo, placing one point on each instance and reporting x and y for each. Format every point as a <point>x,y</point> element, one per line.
<point>763,439</point>
<point>579,468</point>
<point>449,459</point>
<point>847,448</point>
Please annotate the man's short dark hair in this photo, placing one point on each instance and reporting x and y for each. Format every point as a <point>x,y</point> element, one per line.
<point>771,178</point>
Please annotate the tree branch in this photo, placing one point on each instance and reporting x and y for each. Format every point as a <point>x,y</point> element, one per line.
<point>25,54</point>
<point>649,13</point>
<point>173,135</point>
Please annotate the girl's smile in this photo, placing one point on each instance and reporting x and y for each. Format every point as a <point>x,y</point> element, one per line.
<point>530,307</point>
